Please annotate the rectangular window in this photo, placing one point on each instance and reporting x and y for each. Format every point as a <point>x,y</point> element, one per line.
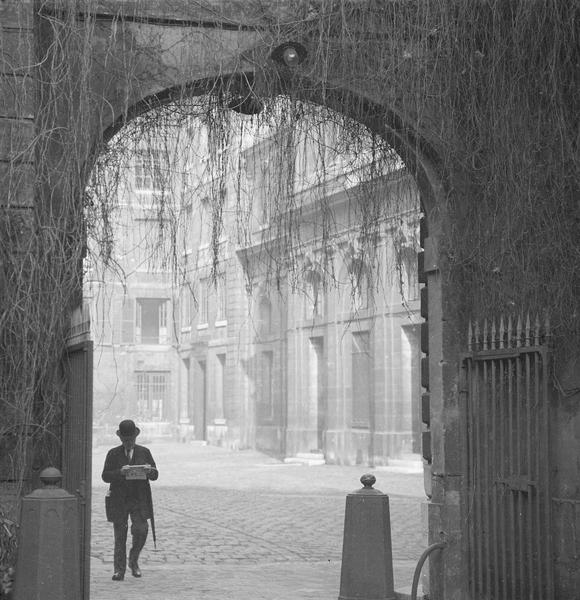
<point>221,300</point>
<point>152,394</point>
<point>148,176</point>
<point>151,321</point>
<point>265,399</point>
<point>362,371</point>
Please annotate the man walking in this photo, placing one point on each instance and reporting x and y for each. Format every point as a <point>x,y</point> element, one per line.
<point>128,469</point>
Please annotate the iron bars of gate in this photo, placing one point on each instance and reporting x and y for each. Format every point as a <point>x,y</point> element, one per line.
<point>506,383</point>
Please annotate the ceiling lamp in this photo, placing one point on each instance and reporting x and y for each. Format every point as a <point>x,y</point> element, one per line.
<point>289,54</point>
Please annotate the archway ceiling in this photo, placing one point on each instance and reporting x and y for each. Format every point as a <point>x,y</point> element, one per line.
<point>142,48</point>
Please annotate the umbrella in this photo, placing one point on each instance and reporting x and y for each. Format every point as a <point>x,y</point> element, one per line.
<point>152,517</point>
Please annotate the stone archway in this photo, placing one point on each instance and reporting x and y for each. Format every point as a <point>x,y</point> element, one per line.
<point>142,56</point>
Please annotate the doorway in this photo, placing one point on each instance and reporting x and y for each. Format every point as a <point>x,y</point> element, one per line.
<point>318,394</point>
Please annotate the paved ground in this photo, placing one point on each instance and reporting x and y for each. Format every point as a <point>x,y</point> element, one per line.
<point>242,525</point>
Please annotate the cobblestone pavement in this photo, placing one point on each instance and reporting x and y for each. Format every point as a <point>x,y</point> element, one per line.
<point>243,525</point>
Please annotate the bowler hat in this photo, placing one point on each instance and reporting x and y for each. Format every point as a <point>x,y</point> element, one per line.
<point>128,428</point>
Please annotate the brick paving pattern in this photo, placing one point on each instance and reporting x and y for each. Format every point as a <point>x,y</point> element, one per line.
<point>242,525</point>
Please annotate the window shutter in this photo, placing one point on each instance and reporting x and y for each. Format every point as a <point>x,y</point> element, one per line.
<point>128,321</point>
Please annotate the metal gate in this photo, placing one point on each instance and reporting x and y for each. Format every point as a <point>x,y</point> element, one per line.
<point>509,525</point>
<point>77,437</point>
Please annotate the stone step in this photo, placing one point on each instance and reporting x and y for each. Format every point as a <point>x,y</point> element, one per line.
<point>411,463</point>
<point>311,459</point>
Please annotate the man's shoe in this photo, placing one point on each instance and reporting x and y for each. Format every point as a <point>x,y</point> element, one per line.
<point>135,570</point>
<point>118,576</point>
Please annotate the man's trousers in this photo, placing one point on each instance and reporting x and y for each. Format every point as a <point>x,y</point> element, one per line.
<point>139,529</point>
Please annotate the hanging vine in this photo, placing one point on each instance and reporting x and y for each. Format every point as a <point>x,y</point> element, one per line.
<point>488,90</point>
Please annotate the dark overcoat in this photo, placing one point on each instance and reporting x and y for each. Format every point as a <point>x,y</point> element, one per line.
<point>122,490</point>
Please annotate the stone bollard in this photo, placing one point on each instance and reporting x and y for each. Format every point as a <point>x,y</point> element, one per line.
<point>367,558</point>
<point>48,559</point>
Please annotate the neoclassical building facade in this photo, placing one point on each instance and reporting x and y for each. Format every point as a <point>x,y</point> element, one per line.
<point>227,344</point>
